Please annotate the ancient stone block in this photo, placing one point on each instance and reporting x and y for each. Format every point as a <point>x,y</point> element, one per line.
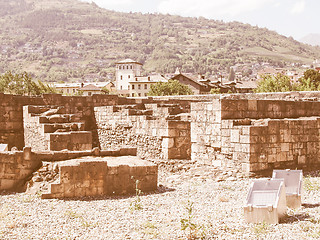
<point>235,135</point>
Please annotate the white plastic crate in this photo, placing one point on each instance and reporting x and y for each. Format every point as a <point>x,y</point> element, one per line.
<point>293,183</point>
<point>3,147</point>
<point>266,201</point>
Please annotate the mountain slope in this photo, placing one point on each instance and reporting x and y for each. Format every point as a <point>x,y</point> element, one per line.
<point>312,39</point>
<point>67,39</point>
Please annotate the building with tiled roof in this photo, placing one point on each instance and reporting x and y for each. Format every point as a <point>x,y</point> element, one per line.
<point>140,86</point>
<point>130,82</point>
<point>86,89</point>
<point>195,83</point>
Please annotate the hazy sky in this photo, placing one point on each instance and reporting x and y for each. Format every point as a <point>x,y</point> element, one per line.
<point>295,18</point>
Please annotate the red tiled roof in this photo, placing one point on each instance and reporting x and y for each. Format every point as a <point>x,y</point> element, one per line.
<point>90,87</point>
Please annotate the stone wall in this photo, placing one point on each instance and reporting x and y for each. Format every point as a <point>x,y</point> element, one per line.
<point>255,135</point>
<point>103,176</point>
<point>51,128</point>
<point>288,143</point>
<point>16,167</point>
<point>157,130</point>
<point>214,129</point>
<point>11,112</point>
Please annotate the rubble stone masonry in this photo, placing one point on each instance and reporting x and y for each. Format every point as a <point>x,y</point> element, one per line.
<point>249,132</point>
<point>157,130</point>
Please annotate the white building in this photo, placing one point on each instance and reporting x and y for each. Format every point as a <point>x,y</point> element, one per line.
<point>129,81</point>
<point>126,71</point>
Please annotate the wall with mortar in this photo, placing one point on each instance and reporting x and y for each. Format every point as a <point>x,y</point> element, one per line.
<point>255,135</point>
<point>158,131</point>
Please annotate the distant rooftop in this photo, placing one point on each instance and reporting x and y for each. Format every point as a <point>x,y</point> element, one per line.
<point>90,87</point>
<point>128,60</point>
<point>79,84</point>
<point>150,78</point>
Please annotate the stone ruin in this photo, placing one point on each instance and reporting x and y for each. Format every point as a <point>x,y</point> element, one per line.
<point>103,176</point>
<point>244,132</point>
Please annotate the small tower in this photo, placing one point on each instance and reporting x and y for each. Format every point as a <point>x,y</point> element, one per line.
<point>126,71</point>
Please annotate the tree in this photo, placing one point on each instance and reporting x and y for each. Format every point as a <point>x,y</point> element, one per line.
<point>172,87</point>
<point>310,80</point>
<point>105,90</point>
<point>277,83</point>
<point>215,91</point>
<point>22,84</point>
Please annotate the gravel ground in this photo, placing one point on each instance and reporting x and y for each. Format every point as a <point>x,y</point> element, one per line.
<point>189,204</point>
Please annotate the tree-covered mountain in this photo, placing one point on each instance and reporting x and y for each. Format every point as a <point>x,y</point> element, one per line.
<point>68,39</point>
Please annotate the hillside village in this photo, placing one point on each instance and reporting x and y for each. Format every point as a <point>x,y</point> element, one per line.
<point>130,82</point>
<point>73,41</point>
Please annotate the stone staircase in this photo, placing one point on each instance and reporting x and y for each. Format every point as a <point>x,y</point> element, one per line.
<point>55,130</point>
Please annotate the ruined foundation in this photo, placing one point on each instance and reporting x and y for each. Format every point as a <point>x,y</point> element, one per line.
<point>103,176</point>
<point>243,132</point>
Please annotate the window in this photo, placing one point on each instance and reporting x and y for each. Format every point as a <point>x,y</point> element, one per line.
<point>132,87</point>
<point>132,94</point>
<point>139,86</point>
<point>121,77</point>
<point>136,79</point>
<point>127,67</point>
<point>67,90</point>
<point>128,76</point>
<point>139,94</point>
<point>130,66</point>
<point>89,93</point>
<point>146,86</point>
<point>148,78</point>
<point>120,87</point>
<point>74,90</point>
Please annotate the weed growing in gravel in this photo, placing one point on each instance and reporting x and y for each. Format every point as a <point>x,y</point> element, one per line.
<point>311,184</point>
<point>187,223</point>
<point>136,203</point>
<point>306,227</point>
<point>261,228</point>
<point>150,229</point>
<point>72,214</point>
<point>315,233</point>
<point>84,222</point>
<point>227,187</point>
<point>87,224</point>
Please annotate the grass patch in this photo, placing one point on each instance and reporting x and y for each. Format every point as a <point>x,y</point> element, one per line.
<point>261,228</point>
<point>311,184</point>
